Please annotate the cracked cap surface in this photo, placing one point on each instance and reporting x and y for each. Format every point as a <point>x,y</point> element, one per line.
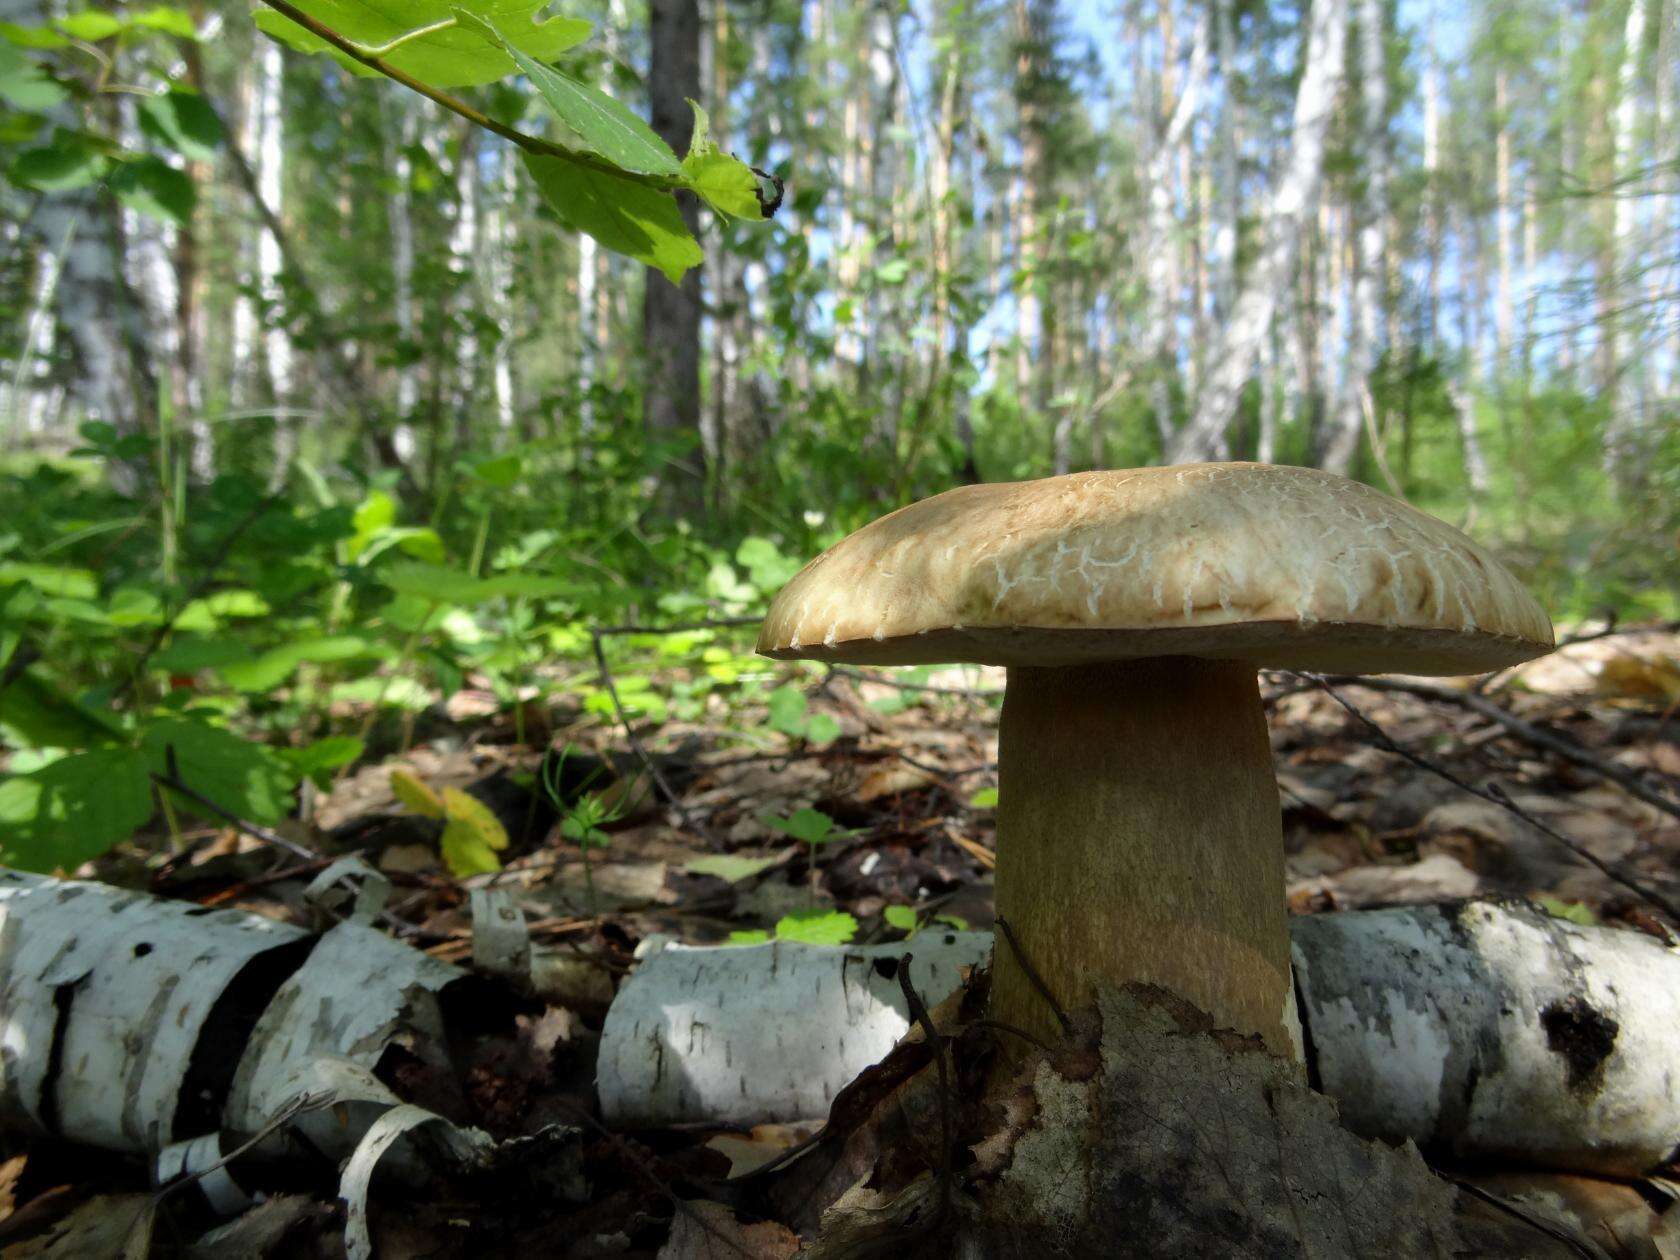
<point>1291,568</point>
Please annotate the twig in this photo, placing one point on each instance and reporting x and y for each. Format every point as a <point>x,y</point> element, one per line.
<point>1551,741</point>
<point>288,1113</point>
<point>1533,1222</point>
<point>640,749</point>
<point>1499,798</point>
<point>233,820</point>
<point>1032,975</point>
<point>961,772</point>
<point>937,1042</point>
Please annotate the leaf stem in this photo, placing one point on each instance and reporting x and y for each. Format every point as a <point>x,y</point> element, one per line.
<point>381,50</point>
<point>455,105</point>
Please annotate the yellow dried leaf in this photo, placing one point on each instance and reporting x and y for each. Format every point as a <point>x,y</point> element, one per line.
<point>419,798</point>
<point>473,837</point>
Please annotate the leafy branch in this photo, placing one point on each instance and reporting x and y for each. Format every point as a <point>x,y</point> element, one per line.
<point>618,184</point>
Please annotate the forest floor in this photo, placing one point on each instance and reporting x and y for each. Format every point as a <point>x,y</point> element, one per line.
<point>1572,766</point>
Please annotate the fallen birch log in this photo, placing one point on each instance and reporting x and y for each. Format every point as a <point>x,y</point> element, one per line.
<point>1492,1029</point>
<point>1474,1029</point>
<point>745,1034</point>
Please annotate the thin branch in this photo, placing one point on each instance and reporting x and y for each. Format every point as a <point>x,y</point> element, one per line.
<point>1497,797</point>
<point>640,749</point>
<point>233,820</point>
<point>1551,741</point>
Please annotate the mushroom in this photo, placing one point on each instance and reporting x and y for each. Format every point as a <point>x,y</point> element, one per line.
<point>1139,835</point>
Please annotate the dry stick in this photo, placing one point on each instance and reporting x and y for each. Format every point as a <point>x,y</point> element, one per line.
<point>1036,980</point>
<point>1551,741</point>
<point>640,749</point>
<point>233,820</point>
<point>1498,797</point>
<point>919,1015</point>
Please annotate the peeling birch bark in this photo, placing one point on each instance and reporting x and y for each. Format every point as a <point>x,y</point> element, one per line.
<point>1488,1029</point>
<point>749,1034</point>
<point>114,1004</point>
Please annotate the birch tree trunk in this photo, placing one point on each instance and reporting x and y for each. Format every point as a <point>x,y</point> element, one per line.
<point>1371,244</point>
<point>671,313</point>
<point>1293,196</point>
<point>1622,434</point>
<point>1432,186</point>
<point>277,346</point>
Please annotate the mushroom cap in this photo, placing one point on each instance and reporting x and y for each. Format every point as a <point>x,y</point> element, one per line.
<point>1290,568</point>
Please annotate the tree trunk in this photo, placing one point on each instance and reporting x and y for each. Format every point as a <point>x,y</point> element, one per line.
<point>1292,200</point>
<point>1372,263</point>
<point>671,313</point>
<point>1627,419</point>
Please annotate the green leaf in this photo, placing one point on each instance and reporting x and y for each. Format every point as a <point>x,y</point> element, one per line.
<point>411,792</point>
<point>985,798</point>
<point>166,20</point>
<point>625,216</point>
<point>787,711</point>
<point>822,729</point>
<point>756,936</point>
<point>24,83</point>
<point>187,654</point>
<point>500,472</point>
<point>452,586</point>
<point>314,761</point>
<point>817,927</point>
<point>728,866</point>
<point>458,56</point>
<point>184,121</point>
<point>902,918</point>
<point>727,184</point>
<point>90,25</point>
<point>35,712</point>
<point>274,666</point>
<point>68,162</point>
<point>473,836</point>
<point>52,579</point>
<point>32,36</point>
<point>74,809</point>
<point>245,779</point>
<point>1569,911</point>
<point>151,186</point>
<point>606,127</point>
<point>810,826</point>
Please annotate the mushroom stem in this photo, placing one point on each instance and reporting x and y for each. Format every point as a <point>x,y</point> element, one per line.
<point>1139,839</point>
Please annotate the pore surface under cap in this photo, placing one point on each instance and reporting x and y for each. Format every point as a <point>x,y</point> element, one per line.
<point>1287,567</point>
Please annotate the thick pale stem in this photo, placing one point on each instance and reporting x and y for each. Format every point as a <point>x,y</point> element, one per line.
<point>1139,838</point>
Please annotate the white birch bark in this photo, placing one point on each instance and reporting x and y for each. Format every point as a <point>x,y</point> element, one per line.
<point>1504,310</point>
<point>270,156</point>
<point>1627,417</point>
<point>1371,243</point>
<point>1232,358</point>
<point>1432,188</point>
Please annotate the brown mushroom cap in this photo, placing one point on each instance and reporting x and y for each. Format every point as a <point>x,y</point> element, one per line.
<point>1283,567</point>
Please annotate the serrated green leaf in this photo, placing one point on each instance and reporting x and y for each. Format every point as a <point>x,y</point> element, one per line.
<point>73,809</point>
<point>455,57</point>
<point>247,780</point>
<point>729,866</point>
<point>330,753</point>
<point>607,127</point>
<point>187,654</point>
<point>726,183</point>
<point>415,795</point>
<point>32,36</point>
<point>817,927</point>
<point>184,121</point>
<point>627,217</point>
<point>34,711</point>
<point>52,579</point>
<point>985,798</point>
<point>809,826</point>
